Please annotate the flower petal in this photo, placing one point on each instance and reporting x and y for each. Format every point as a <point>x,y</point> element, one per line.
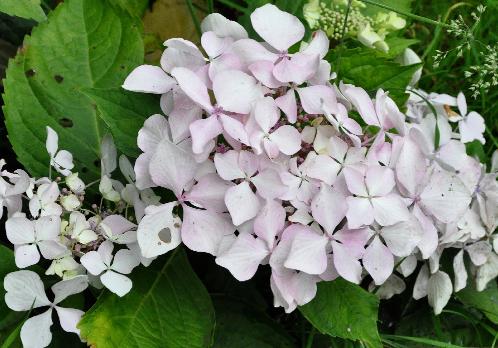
<point>241,196</point>
<point>378,261</point>
<point>117,283</point>
<point>35,331</point>
<point>24,289</point>
<point>148,79</point>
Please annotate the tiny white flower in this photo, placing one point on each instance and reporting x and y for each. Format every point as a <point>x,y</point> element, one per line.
<point>24,291</point>
<point>43,203</point>
<point>111,268</point>
<point>30,238</point>
<point>74,183</point>
<point>61,160</point>
<point>70,202</point>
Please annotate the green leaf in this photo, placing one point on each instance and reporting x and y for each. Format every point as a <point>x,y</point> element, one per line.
<point>134,7</point>
<point>363,67</point>
<point>343,309</point>
<point>29,9</point>
<point>167,307</point>
<point>84,44</point>
<point>486,301</point>
<point>475,149</point>
<point>240,325</point>
<point>124,114</point>
<point>396,46</point>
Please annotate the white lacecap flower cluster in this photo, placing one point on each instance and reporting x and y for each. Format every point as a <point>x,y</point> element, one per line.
<point>271,164</point>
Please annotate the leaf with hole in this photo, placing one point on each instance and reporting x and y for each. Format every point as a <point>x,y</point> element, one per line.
<point>124,114</point>
<point>84,44</point>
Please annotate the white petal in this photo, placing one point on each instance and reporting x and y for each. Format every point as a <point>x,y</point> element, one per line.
<point>69,319</point>
<point>204,230</point>
<point>35,332</point>
<point>280,29</point>
<point>328,208</point>
<point>66,288</point>
<point>479,252</point>
<point>378,261</point>
<point>159,230</point>
<point>117,283</point>
<point>52,142</point>
<point>420,286</point>
<point>445,197</point>
<point>460,271</point>
<point>241,196</point>
<point>149,79</point>
<point>124,261</point>
<point>235,91</point>
<point>308,252</point>
<point>403,237</point>
<point>26,255</point>
<point>439,291</point>
<point>92,261</point>
<point>223,27</point>
<point>244,256</point>
<point>287,139</point>
<point>24,290</point>
<point>172,167</point>
<point>389,209</point>
<point>20,230</point>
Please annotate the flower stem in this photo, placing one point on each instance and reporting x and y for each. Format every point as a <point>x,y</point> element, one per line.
<point>194,17</point>
<point>404,13</point>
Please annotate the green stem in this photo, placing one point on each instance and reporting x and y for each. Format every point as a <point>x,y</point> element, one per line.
<point>194,17</point>
<point>439,30</point>
<point>210,6</point>
<point>235,6</point>
<point>406,14</point>
<point>309,341</point>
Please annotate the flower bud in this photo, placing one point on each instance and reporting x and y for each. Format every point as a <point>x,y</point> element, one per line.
<point>70,202</point>
<point>74,183</point>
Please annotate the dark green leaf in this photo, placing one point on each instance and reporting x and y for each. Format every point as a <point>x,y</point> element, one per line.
<point>134,7</point>
<point>476,149</point>
<point>29,9</point>
<point>239,325</point>
<point>363,67</point>
<point>84,44</point>
<point>486,301</point>
<point>343,309</point>
<point>124,114</point>
<point>167,307</point>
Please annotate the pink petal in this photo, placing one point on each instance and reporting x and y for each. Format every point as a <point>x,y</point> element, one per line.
<point>315,98</point>
<point>241,196</point>
<point>244,256</point>
<point>235,91</point>
<point>328,208</point>
<point>209,192</point>
<point>299,68</point>
<point>149,79</point>
<point>346,264</point>
<point>227,165</point>
<point>172,167</point>
<point>193,87</point>
<point>362,102</point>
<point>287,103</point>
<point>360,212</point>
<point>235,129</point>
<point>389,209</point>
<point>324,168</point>
<point>223,27</point>
<point>379,180</point>
<point>308,252</point>
<point>204,131</point>
<point>263,72</point>
<point>378,261</point>
<point>269,185</point>
<point>355,181</point>
<point>266,113</point>
<point>287,139</point>
<point>270,222</point>
<point>204,230</point>
<point>155,129</point>
<point>280,29</point>
<point>319,44</point>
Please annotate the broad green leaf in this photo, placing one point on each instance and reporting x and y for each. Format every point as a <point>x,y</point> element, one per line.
<point>343,309</point>
<point>167,307</point>
<point>29,9</point>
<point>362,67</point>
<point>396,46</point>
<point>399,5</point>
<point>134,7</point>
<point>84,44</point>
<point>124,114</point>
<point>486,301</point>
<point>239,325</point>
